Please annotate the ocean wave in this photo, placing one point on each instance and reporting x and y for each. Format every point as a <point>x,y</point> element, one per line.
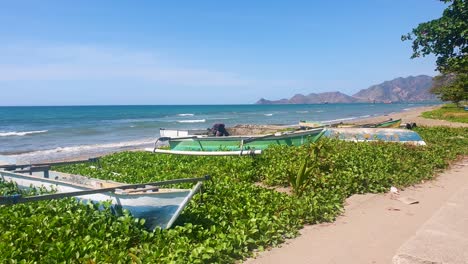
<point>364,116</point>
<point>302,112</point>
<point>20,134</point>
<point>192,121</point>
<point>319,111</point>
<point>80,151</point>
<point>185,115</point>
<point>268,114</point>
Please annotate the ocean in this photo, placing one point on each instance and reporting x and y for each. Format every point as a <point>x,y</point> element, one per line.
<point>31,134</point>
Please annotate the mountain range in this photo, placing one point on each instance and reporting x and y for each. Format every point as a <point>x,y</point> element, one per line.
<point>409,89</point>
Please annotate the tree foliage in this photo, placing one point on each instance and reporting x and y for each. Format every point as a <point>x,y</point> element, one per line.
<point>447,39</point>
<point>451,87</point>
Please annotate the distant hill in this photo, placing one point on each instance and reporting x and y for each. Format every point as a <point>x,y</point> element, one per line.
<point>409,89</point>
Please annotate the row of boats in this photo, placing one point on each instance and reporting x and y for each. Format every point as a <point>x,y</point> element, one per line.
<point>199,142</point>
<point>161,206</point>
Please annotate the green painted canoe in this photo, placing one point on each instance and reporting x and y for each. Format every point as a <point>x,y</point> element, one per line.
<point>236,143</point>
<point>389,123</point>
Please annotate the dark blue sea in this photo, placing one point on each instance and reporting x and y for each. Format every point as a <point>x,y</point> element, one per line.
<point>32,133</point>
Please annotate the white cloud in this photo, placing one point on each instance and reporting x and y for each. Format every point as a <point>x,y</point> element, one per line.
<point>82,62</point>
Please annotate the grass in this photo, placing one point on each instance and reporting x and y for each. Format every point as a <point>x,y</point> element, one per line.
<point>449,112</point>
<point>236,217</point>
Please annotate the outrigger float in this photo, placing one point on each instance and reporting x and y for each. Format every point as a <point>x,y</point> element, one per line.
<point>160,207</point>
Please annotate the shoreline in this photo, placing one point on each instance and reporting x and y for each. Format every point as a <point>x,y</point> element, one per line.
<point>410,115</point>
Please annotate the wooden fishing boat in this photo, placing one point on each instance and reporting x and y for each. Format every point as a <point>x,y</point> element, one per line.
<point>241,143</point>
<point>375,134</point>
<point>385,124</point>
<point>159,207</point>
<point>389,124</point>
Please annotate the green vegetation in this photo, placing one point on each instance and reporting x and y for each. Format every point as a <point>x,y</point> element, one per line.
<point>448,112</point>
<point>235,216</point>
<point>446,38</point>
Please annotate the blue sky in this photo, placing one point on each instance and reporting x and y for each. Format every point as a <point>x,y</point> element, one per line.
<point>202,52</point>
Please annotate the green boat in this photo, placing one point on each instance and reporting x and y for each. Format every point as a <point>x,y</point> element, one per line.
<point>390,123</point>
<point>385,124</point>
<point>240,143</point>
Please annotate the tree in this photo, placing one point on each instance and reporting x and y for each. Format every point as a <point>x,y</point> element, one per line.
<point>447,39</point>
<point>451,87</point>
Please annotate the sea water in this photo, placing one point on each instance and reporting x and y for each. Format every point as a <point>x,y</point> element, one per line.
<point>59,132</point>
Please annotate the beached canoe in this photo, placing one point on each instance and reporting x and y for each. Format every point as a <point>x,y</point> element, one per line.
<point>375,134</point>
<point>241,143</point>
<point>389,124</point>
<point>159,207</point>
<point>385,124</point>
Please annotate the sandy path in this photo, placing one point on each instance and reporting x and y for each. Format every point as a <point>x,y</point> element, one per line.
<point>413,116</point>
<point>373,226</point>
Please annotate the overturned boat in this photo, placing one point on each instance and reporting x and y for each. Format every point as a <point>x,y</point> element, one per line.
<point>375,134</point>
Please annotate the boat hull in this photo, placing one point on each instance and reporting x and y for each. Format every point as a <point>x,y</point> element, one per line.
<point>375,134</point>
<point>386,124</point>
<point>389,124</point>
<point>238,143</point>
<point>174,133</point>
<point>159,208</point>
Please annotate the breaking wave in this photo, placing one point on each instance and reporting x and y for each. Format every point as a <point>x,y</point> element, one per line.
<point>20,134</point>
<point>80,151</point>
<point>192,121</point>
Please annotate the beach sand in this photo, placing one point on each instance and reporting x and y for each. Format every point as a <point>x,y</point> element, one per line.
<point>412,115</point>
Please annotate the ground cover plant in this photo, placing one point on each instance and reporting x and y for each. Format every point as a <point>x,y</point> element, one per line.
<point>449,112</point>
<point>236,214</point>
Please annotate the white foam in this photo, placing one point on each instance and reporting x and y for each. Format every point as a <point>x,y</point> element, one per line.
<point>364,116</point>
<point>302,112</point>
<point>20,134</point>
<point>185,115</point>
<point>268,114</point>
<point>192,121</point>
<point>62,153</point>
<point>319,111</point>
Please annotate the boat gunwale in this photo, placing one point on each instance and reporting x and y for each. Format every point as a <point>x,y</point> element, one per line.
<point>253,137</point>
<point>87,187</point>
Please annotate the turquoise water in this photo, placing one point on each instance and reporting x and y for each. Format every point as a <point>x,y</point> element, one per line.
<point>77,129</point>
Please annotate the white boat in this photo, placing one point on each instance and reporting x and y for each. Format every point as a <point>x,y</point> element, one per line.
<point>159,207</point>
<point>174,133</point>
